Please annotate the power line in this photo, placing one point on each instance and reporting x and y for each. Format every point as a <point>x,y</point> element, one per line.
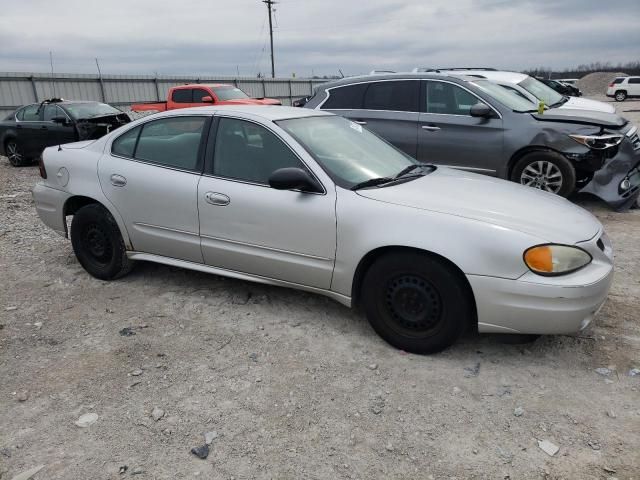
<point>269,4</point>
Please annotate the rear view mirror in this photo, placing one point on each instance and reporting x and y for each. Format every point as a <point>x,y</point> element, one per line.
<point>294,179</point>
<point>60,120</point>
<point>207,99</point>
<point>481,110</point>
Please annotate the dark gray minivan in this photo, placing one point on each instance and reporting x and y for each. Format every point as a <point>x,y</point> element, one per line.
<point>476,125</point>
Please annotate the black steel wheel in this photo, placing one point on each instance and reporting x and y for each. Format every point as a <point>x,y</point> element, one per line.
<point>98,244</point>
<point>416,302</point>
<point>621,96</point>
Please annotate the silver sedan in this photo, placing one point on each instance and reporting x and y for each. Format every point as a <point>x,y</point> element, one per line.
<point>308,200</point>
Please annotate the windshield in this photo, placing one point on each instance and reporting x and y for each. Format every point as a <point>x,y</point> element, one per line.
<point>90,109</point>
<point>508,98</point>
<point>349,153</point>
<point>541,91</point>
<point>229,93</point>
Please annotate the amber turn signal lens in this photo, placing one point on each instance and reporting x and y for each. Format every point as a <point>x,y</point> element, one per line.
<point>539,259</point>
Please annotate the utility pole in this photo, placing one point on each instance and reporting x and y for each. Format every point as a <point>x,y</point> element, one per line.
<point>269,4</point>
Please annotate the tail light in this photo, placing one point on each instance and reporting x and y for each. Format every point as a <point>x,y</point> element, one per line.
<point>611,84</point>
<point>43,171</point>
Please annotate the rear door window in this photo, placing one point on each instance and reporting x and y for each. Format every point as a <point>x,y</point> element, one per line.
<point>31,113</point>
<point>169,142</point>
<point>348,97</point>
<point>634,80</point>
<point>397,95</point>
<point>53,111</point>
<point>182,95</point>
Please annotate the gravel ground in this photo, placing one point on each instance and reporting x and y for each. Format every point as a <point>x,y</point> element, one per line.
<point>294,385</point>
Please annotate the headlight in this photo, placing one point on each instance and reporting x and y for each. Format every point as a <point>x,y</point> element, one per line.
<point>552,260</point>
<point>598,142</point>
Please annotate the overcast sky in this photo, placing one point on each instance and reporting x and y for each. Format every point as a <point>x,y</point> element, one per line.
<point>319,36</point>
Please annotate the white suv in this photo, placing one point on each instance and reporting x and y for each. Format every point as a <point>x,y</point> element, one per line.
<point>624,87</point>
<point>527,87</point>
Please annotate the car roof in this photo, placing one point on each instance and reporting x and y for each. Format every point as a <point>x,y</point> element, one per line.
<point>268,112</point>
<point>500,76</point>
<point>391,76</point>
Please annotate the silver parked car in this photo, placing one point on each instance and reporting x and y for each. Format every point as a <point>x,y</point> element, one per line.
<point>309,200</point>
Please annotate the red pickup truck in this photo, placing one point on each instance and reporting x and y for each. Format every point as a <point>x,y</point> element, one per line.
<point>200,95</point>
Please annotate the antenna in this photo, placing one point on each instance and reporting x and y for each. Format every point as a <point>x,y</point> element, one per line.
<point>53,83</point>
<point>98,65</point>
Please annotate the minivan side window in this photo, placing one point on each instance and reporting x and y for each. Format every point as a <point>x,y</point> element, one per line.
<point>169,142</point>
<point>249,152</point>
<point>396,95</point>
<point>634,80</point>
<point>182,95</point>
<point>345,98</point>
<point>448,99</point>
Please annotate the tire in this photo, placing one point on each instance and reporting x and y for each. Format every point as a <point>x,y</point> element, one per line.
<point>547,171</point>
<point>416,302</point>
<point>98,244</point>
<point>620,96</point>
<point>14,153</point>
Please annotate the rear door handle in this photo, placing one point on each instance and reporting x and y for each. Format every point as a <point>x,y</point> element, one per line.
<point>360,122</point>
<point>118,180</point>
<point>430,128</point>
<point>218,199</point>
<point>44,127</point>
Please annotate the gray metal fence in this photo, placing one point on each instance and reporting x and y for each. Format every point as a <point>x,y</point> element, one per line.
<point>123,90</point>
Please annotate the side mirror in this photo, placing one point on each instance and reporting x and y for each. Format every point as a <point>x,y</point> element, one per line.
<point>60,120</point>
<point>207,99</point>
<point>481,110</point>
<point>294,179</point>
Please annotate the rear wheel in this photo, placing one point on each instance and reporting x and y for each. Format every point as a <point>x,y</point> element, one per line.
<point>621,96</point>
<point>547,171</point>
<point>416,302</point>
<point>14,153</point>
<point>98,244</point>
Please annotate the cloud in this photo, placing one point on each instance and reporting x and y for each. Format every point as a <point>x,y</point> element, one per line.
<point>205,37</point>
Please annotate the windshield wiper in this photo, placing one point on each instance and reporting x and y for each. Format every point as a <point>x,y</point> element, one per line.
<point>372,182</point>
<point>408,169</point>
<point>564,100</point>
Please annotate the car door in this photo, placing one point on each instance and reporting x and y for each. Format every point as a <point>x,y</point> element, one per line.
<point>150,174</point>
<point>450,136</point>
<point>30,130</point>
<point>247,226</point>
<point>57,133</point>
<point>634,87</point>
<point>389,108</point>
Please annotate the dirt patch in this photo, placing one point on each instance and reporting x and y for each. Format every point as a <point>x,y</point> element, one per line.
<point>294,385</point>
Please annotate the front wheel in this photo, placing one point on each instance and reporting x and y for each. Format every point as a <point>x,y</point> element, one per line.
<point>621,96</point>
<point>14,153</point>
<point>548,171</point>
<point>416,302</point>
<point>98,244</point>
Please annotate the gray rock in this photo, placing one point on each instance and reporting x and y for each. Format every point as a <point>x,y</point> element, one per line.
<point>23,396</point>
<point>611,414</point>
<point>372,366</point>
<point>389,447</point>
<point>123,469</point>
<point>136,373</point>
<point>593,445</point>
<point>472,371</point>
<point>87,420</point>
<point>209,437</point>
<point>603,371</point>
<point>253,356</point>
<point>634,372</point>
<point>157,413</point>
<point>548,447</point>
<point>201,452</point>
<point>518,411</point>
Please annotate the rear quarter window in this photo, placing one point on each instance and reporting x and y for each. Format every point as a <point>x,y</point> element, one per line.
<point>618,80</point>
<point>125,145</point>
<point>345,98</point>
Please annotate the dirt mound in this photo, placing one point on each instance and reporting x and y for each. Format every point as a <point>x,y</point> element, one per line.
<point>596,83</point>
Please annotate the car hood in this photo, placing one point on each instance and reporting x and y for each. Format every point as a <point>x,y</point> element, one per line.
<point>253,101</point>
<point>585,117</point>
<point>577,103</point>
<point>491,200</point>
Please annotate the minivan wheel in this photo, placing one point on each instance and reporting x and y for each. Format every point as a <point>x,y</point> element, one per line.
<point>14,153</point>
<point>547,171</point>
<point>416,302</point>
<point>98,244</point>
<point>621,96</point>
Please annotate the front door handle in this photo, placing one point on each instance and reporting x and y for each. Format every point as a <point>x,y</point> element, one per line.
<point>360,122</point>
<point>430,128</point>
<point>218,199</point>
<point>118,180</point>
<point>44,127</point>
